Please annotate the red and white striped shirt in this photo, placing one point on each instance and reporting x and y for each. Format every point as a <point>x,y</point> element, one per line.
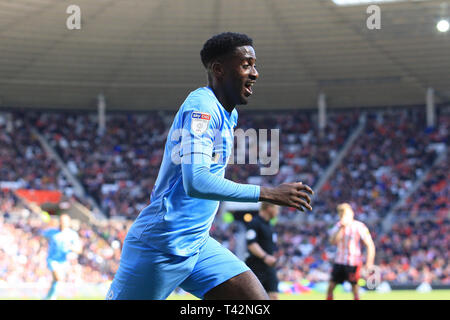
<point>349,245</point>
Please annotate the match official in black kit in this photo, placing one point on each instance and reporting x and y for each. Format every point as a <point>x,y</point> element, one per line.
<point>261,244</point>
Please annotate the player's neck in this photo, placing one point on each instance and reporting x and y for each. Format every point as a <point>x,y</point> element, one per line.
<point>264,216</point>
<point>221,96</point>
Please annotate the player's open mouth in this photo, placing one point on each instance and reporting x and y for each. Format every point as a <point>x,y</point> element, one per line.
<point>249,88</point>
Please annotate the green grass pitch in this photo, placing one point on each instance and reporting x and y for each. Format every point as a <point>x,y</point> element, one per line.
<point>313,295</point>
<point>393,295</point>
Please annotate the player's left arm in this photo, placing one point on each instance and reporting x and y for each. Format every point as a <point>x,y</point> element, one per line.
<point>336,233</point>
<point>196,153</point>
<point>199,182</point>
<point>368,241</point>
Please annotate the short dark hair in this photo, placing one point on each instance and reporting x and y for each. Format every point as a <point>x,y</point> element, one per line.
<point>222,44</point>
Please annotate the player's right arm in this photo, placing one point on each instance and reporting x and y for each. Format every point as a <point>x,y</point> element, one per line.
<point>336,233</point>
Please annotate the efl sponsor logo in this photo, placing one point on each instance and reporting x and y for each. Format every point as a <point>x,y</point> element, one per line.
<point>201,115</point>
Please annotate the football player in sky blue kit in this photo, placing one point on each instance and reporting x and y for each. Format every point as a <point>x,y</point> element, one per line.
<point>168,245</point>
<point>61,241</point>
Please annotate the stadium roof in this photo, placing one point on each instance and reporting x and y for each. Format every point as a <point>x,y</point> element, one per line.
<point>144,54</point>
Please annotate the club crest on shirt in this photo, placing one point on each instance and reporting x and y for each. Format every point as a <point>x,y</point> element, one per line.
<point>199,122</point>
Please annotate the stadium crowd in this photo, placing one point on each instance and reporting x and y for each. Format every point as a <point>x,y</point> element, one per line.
<point>23,162</point>
<point>394,151</point>
<point>413,252</point>
<point>118,169</point>
<point>305,151</point>
<point>431,199</point>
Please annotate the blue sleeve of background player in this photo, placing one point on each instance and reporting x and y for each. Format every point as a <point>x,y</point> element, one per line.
<point>198,181</point>
<point>47,233</point>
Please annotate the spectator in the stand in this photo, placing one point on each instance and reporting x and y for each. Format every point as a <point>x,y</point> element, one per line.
<point>416,249</point>
<point>392,152</point>
<point>431,204</point>
<point>112,166</point>
<point>23,161</point>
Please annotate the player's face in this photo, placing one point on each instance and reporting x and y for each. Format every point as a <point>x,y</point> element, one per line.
<point>347,217</point>
<point>241,75</point>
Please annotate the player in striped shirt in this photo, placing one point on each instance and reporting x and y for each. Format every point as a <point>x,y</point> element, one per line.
<point>347,235</point>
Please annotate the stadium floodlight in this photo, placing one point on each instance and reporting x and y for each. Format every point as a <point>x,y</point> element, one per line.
<point>361,2</point>
<point>443,25</point>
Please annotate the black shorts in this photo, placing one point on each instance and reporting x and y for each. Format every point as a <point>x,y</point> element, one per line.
<point>267,276</point>
<point>343,273</point>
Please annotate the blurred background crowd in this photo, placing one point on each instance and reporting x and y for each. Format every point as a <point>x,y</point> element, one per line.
<point>393,154</point>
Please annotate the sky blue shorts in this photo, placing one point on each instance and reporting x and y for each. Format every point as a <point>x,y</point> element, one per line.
<point>58,266</point>
<point>147,274</point>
